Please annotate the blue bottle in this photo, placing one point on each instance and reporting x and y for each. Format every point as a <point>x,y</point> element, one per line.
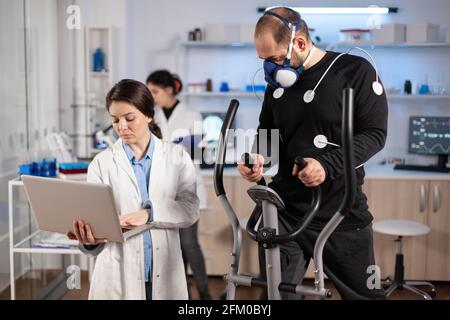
<point>99,60</point>
<point>424,89</point>
<point>34,171</point>
<point>224,87</point>
<point>52,168</point>
<point>43,170</point>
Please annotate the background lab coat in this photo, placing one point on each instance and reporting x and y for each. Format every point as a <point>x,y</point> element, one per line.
<point>180,124</point>
<point>119,268</point>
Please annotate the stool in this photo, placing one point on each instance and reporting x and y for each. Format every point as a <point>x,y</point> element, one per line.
<point>403,228</point>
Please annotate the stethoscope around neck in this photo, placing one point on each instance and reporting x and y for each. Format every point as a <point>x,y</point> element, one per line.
<point>309,95</point>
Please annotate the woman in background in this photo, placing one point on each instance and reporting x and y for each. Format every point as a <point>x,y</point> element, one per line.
<point>176,121</point>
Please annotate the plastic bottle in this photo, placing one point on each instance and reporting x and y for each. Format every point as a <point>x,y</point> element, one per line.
<point>44,170</point>
<point>52,167</point>
<point>408,87</point>
<point>99,60</point>
<point>224,87</point>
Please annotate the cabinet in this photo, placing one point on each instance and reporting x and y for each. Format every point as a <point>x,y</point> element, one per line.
<point>425,201</point>
<point>438,241</point>
<point>215,233</point>
<point>93,116</point>
<point>417,199</point>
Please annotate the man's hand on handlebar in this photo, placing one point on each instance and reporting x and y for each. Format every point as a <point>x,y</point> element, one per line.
<point>312,175</point>
<point>256,172</point>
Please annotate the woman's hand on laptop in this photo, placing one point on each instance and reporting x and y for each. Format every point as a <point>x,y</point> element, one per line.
<point>83,233</point>
<point>134,219</point>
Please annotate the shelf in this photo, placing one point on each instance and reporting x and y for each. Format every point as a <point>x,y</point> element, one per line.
<point>390,45</point>
<point>99,74</point>
<point>221,44</point>
<point>397,97</point>
<point>222,94</point>
<point>394,97</point>
<point>26,245</point>
<point>226,44</point>
<point>216,44</point>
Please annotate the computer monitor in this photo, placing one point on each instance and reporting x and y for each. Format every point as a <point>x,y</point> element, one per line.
<point>212,125</point>
<point>430,136</point>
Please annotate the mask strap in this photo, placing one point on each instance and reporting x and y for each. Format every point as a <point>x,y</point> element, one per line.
<point>285,22</point>
<point>291,44</point>
<point>309,55</point>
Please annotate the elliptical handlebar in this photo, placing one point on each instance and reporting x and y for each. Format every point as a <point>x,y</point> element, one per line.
<point>246,159</point>
<point>221,148</point>
<point>315,204</point>
<point>349,155</point>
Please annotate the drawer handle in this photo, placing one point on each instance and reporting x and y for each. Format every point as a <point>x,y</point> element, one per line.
<point>436,199</point>
<point>422,201</point>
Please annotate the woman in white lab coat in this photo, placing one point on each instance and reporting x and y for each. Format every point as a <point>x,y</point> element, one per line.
<point>176,121</point>
<point>165,198</point>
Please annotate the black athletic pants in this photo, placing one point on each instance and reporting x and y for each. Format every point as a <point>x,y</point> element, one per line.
<point>347,256</point>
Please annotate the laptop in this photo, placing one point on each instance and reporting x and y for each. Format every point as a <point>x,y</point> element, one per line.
<point>56,203</point>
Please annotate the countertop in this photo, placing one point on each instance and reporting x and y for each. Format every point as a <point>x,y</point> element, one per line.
<point>373,171</point>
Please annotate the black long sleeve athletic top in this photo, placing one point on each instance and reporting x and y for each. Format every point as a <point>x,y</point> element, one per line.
<point>299,123</point>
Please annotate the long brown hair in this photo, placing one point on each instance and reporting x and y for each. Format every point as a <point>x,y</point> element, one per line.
<point>137,94</point>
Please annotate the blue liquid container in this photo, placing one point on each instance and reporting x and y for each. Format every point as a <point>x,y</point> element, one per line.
<point>424,89</point>
<point>99,60</point>
<point>256,88</point>
<point>43,170</point>
<point>224,87</point>
<point>52,167</point>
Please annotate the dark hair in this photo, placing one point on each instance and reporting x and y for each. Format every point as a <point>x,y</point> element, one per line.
<point>165,79</point>
<point>280,31</point>
<point>137,94</point>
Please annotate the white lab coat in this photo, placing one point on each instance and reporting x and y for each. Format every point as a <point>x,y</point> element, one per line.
<point>183,121</point>
<point>119,268</point>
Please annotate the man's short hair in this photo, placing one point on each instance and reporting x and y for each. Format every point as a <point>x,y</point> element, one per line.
<point>280,31</point>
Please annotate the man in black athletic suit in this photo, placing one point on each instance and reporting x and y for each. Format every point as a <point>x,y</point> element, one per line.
<point>349,251</point>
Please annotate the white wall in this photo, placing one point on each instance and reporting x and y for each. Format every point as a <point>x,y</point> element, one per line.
<point>29,109</point>
<point>13,110</point>
<point>154,27</point>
